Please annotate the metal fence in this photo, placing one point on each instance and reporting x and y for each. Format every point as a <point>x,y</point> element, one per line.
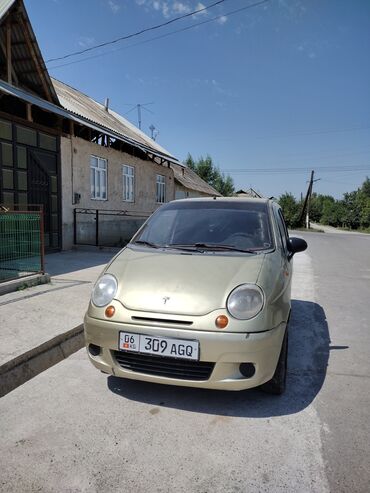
<point>100,227</point>
<point>21,243</point>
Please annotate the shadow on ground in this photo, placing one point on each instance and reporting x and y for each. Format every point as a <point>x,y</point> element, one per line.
<point>76,260</point>
<point>308,360</point>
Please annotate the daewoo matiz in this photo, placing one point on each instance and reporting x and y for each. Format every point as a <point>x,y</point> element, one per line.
<point>200,297</point>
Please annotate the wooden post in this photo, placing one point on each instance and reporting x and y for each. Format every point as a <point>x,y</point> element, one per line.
<point>29,112</point>
<point>8,51</point>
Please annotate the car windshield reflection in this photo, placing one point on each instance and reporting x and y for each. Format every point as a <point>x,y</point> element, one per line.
<point>219,226</point>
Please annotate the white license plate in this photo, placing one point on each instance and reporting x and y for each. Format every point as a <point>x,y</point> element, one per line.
<point>162,346</point>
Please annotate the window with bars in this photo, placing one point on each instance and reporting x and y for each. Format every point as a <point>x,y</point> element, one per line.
<point>128,183</point>
<point>161,189</point>
<point>98,178</point>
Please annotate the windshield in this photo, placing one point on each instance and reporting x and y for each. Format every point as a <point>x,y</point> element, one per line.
<point>215,225</point>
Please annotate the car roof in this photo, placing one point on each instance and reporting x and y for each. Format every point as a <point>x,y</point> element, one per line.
<point>226,199</point>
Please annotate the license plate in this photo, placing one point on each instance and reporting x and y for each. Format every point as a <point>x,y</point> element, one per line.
<point>162,346</point>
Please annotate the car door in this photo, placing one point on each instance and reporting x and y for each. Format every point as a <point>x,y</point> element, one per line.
<point>286,262</point>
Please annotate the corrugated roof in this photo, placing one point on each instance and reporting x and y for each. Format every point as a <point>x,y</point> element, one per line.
<point>189,179</point>
<point>35,86</point>
<point>82,105</point>
<point>5,6</point>
<point>248,193</point>
<point>45,105</point>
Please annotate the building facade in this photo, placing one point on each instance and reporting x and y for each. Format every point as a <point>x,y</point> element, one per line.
<point>95,175</point>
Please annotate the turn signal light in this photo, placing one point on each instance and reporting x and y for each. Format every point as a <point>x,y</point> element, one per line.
<point>110,311</point>
<point>222,321</point>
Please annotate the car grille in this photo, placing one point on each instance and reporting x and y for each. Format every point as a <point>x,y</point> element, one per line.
<point>161,321</point>
<point>164,367</point>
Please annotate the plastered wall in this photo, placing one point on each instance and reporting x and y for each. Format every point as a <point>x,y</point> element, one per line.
<point>75,171</point>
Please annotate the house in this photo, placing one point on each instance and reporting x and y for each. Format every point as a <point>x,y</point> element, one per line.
<point>248,193</point>
<point>96,175</point>
<point>188,184</point>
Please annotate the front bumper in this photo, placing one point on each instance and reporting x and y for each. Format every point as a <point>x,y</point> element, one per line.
<point>226,349</point>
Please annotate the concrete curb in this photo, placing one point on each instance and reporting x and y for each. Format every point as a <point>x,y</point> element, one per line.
<point>23,282</point>
<point>19,370</point>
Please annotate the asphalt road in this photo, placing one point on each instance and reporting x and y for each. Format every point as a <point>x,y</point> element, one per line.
<point>72,429</point>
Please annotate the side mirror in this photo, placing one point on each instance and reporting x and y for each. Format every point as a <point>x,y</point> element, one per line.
<point>296,245</point>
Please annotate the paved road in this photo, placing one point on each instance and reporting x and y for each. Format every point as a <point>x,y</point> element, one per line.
<point>73,429</point>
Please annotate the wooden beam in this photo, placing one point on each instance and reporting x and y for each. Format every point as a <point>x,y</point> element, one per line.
<point>35,59</point>
<point>9,65</point>
<point>29,112</point>
<point>18,43</point>
<point>14,75</point>
<point>23,121</point>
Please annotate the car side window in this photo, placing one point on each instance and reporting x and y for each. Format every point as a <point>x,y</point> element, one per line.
<point>285,229</point>
<point>281,230</point>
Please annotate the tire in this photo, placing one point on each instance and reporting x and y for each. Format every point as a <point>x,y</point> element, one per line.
<point>277,383</point>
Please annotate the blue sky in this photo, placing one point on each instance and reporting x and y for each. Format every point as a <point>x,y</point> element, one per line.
<point>284,84</point>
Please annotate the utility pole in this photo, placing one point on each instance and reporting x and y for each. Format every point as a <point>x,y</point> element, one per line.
<point>309,193</point>
<point>307,200</point>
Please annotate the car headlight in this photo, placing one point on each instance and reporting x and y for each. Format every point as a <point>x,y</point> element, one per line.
<point>104,290</point>
<point>245,301</point>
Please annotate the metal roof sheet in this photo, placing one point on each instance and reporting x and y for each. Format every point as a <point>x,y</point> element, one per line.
<point>45,105</point>
<point>82,105</point>
<point>5,6</point>
<point>189,179</point>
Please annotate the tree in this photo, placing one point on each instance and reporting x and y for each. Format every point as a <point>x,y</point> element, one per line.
<point>353,211</point>
<point>205,168</point>
<point>291,209</point>
<point>351,208</point>
<point>365,188</point>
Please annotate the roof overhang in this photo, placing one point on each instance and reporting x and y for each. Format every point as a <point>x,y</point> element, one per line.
<point>11,90</point>
<point>25,66</point>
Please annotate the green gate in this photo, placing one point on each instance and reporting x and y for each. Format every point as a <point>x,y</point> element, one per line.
<point>21,244</point>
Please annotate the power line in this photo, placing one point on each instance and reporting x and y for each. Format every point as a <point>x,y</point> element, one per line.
<point>317,132</point>
<point>187,28</point>
<point>321,169</point>
<point>132,35</point>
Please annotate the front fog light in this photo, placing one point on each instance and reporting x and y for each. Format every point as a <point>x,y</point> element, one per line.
<point>104,290</point>
<point>245,302</point>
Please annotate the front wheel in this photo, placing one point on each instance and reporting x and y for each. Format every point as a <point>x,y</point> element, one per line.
<point>278,382</point>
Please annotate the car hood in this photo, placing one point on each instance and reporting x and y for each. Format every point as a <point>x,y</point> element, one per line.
<point>178,282</point>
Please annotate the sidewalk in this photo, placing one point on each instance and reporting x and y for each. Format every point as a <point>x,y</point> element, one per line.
<point>34,316</point>
<point>331,229</point>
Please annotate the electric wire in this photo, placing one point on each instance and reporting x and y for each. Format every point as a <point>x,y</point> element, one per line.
<point>161,36</point>
<point>293,170</point>
<point>137,33</point>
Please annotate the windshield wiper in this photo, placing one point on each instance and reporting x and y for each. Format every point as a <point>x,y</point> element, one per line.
<point>209,246</point>
<point>146,243</point>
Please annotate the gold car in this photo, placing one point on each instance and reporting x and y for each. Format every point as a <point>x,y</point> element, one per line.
<point>200,297</point>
